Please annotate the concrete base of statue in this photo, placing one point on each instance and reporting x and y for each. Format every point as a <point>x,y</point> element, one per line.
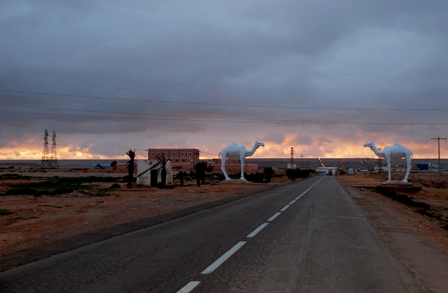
<point>400,186</point>
<point>396,183</point>
<point>235,181</point>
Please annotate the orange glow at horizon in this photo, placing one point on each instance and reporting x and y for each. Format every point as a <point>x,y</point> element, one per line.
<point>421,151</point>
<point>271,150</point>
<point>66,153</point>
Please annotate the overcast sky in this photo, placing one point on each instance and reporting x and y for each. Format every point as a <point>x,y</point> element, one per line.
<point>323,77</point>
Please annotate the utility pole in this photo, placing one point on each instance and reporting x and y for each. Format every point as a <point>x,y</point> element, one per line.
<point>438,142</point>
<point>54,155</point>
<point>45,159</point>
<point>292,156</point>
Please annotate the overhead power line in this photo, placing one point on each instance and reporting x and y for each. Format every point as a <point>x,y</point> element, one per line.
<point>213,86</point>
<point>134,115</point>
<point>224,105</point>
<point>228,120</point>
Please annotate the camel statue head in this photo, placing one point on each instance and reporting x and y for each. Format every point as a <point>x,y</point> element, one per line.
<point>259,143</point>
<point>369,144</point>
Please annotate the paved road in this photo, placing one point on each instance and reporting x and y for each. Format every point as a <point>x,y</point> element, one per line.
<point>309,236</point>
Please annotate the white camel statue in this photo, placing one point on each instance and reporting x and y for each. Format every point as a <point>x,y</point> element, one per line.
<point>235,151</point>
<point>395,151</point>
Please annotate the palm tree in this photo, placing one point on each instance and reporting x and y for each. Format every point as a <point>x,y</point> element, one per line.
<point>162,161</point>
<point>130,165</point>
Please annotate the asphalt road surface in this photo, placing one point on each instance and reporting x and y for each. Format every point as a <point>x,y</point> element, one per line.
<point>308,236</point>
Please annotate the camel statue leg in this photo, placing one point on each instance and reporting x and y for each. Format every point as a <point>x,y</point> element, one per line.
<point>408,169</point>
<point>389,168</point>
<point>223,166</point>
<point>242,167</point>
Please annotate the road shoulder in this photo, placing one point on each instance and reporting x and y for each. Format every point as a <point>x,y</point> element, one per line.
<point>427,264</point>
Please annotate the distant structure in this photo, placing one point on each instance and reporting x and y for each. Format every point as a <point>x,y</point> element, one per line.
<point>326,170</point>
<point>440,166</point>
<point>54,154</point>
<point>45,159</point>
<point>49,160</point>
<point>291,165</point>
<point>182,158</point>
<point>151,174</point>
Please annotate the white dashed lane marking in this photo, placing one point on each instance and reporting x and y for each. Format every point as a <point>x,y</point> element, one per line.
<point>285,208</point>
<point>274,216</point>
<point>223,258</point>
<point>255,232</point>
<point>191,285</point>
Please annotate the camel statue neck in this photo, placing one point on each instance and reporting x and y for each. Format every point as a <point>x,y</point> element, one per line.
<point>252,151</point>
<point>375,150</point>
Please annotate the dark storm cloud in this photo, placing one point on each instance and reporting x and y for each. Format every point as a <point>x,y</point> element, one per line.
<point>274,137</point>
<point>150,68</point>
<point>304,139</point>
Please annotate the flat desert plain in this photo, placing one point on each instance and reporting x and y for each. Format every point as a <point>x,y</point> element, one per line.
<point>33,223</point>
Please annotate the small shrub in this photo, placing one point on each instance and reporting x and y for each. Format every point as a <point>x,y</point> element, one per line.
<point>57,186</point>
<point>219,176</point>
<point>102,192</point>
<point>4,212</point>
<point>268,173</point>
<point>56,191</point>
<point>14,177</point>
<point>297,173</point>
<point>255,177</point>
<point>22,191</point>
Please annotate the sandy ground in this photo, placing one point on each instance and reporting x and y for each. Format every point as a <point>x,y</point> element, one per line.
<point>40,221</point>
<point>433,225</point>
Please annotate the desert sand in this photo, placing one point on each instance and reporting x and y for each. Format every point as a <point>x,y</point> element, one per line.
<point>38,222</point>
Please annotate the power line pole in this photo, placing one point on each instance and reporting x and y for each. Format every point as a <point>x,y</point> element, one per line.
<point>47,159</point>
<point>292,156</point>
<point>44,161</point>
<point>54,155</point>
<point>438,142</point>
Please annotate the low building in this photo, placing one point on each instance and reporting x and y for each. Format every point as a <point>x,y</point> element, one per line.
<point>151,174</point>
<point>423,167</point>
<point>402,168</point>
<point>183,158</point>
<point>291,166</point>
<point>327,170</point>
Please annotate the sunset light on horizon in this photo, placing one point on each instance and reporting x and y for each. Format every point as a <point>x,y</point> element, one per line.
<point>422,151</point>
